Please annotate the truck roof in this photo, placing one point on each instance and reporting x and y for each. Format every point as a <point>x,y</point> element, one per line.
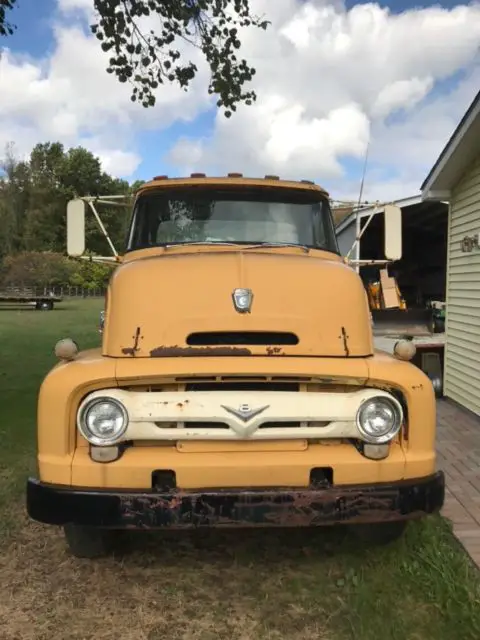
<point>231,179</point>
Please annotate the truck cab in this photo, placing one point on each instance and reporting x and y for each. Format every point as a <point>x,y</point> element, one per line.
<point>236,384</point>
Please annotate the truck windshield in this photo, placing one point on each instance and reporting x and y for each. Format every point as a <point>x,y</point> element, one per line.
<point>239,216</point>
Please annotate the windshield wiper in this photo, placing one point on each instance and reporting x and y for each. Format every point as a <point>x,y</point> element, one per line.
<point>196,242</point>
<point>244,247</point>
<point>278,244</point>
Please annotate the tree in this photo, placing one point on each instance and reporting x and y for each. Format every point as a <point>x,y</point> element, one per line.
<point>33,269</point>
<point>136,185</point>
<point>47,269</point>
<point>34,197</point>
<point>147,59</point>
<point>6,28</point>
<point>91,275</point>
<point>14,199</point>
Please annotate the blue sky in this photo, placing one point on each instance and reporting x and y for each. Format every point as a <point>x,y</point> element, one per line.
<point>33,37</point>
<point>400,90</point>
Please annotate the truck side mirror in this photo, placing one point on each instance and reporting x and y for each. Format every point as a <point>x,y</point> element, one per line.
<point>393,232</point>
<point>76,227</point>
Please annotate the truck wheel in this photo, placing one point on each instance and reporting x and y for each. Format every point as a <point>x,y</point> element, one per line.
<point>437,383</point>
<point>437,325</point>
<point>380,533</point>
<point>88,542</point>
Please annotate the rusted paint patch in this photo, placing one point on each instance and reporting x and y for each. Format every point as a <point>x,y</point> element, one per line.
<point>417,387</point>
<point>131,351</point>
<point>274,351</point>
<point>176,351</point>
<point>344,337</point>
<point>284,507</point>
<point>311,508</point>
<point>267,507</point>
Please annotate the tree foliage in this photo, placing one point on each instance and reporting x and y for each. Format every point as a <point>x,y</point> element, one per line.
<point>33,199</point>
<point>6,28</point>
<point>36,269</point>
<point>149,57</point>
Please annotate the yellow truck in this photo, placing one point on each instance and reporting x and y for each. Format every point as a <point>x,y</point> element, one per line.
<point>237,384</point>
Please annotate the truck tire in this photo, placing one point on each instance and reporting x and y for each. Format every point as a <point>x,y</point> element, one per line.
<point>437,383</point>
<point>380,533</point>
<point>439,325</point>
<point>436,325</point>
<point>89,542</point>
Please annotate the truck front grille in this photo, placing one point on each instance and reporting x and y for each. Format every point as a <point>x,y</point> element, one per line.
<point>223,425</point>
<point>242,386</point>
<point>243,383</point>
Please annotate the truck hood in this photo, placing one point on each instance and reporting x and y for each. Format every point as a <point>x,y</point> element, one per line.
<point>181,304</point>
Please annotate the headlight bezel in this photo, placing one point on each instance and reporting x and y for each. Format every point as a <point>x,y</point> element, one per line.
<point>387,437</point>
<point>82,426</point>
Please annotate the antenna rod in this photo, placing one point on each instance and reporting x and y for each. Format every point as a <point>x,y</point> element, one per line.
<point>363,175</point>
<point>357,219</point>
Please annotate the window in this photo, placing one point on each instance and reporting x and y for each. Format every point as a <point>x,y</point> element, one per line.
<point>232,215</point>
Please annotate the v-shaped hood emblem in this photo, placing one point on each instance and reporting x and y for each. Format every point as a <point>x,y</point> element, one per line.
<point>244,411</point>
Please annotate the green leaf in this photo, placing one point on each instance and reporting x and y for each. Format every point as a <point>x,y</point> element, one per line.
<point>144,56</point>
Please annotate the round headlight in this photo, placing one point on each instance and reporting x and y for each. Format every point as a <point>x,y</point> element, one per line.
<point>379,419</point>
<point>102,421</point>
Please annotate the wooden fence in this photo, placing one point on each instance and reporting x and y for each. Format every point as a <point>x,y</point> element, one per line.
<point>64,292</point>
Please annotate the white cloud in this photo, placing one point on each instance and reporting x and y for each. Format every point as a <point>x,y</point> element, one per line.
<point>401,94</point>
<point>275,134</point>
<point>68,96</point>
<point>413,143</point>
<point>328,80</point>
<point>117,162</point>
<point>69,5</point>
<point>328,77</point>
<point>187,153</point>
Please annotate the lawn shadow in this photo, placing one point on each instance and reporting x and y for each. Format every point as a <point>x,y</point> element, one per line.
<point>25,309</point>
<point>260,546</point>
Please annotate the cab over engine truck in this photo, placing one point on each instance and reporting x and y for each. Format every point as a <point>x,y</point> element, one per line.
<point>237,383</point>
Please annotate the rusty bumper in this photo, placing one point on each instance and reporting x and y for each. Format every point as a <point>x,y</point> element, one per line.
<point>236,508</point>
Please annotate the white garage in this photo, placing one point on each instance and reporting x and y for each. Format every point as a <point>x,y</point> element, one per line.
<point>455,178</point>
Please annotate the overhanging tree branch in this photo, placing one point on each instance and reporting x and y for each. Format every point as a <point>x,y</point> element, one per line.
<point>148,60</point>
<point>6,28</point>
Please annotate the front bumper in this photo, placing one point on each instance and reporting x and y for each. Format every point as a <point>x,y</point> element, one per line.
<point>284,507</point>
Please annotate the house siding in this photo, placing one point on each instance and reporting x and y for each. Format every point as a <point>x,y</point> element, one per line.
<point>462,352</point>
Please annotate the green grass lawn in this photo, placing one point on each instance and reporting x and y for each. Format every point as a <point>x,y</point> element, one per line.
<point>239,586</point>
